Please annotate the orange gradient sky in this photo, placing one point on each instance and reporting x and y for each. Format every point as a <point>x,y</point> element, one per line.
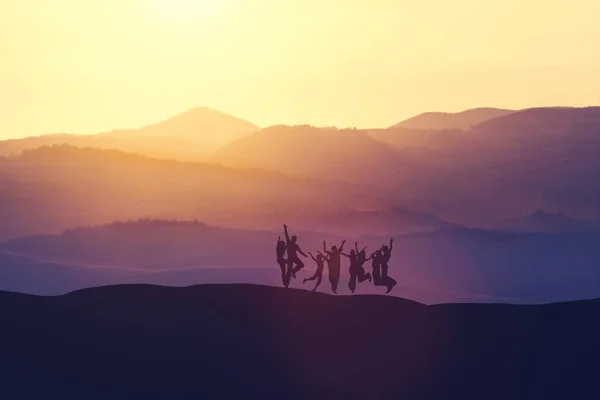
<point>86,66</point>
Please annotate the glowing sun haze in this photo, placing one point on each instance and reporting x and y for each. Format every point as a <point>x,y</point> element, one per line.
<point>87,65</point>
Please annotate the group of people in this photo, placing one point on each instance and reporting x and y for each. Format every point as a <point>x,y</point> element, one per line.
<point>292,264</point>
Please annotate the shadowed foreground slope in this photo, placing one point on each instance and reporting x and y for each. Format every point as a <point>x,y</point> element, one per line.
<point>243,341</point>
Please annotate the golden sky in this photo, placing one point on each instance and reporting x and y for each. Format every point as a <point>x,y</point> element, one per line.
<point>86,66</point>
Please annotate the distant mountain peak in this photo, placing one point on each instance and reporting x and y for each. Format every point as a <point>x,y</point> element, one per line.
<point>203,117</point>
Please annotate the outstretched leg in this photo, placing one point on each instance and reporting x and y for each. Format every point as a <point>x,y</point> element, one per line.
<point>298,267</point>
<point>390,283</point>
<point>318,282</point>
<point>312,278</point>
<point>362,276</point>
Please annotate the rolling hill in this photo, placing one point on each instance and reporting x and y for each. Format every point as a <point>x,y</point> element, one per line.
<point>448,121</point>
<point>51,189</point>
<point>330,153</point>
<point>210,127</point>
<point>189,136</point>
<point>242,341</point>
<point>536,158</point>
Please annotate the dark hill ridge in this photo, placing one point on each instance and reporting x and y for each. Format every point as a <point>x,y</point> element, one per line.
<point>243,341</point>
<point>461,120</point>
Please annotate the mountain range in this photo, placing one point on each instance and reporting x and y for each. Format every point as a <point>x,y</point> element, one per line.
<point>497,170</point>
<point>189,136</point>
<point>458,202</point>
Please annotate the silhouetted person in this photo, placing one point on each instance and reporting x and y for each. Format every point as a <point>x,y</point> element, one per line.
<point>376,265</point>
<point>352,270</point>
<point>280,249</point>
<point>334,264</point>
<point>361,259</point>
<point>292,252</point>
<point>386,253</point>
<point>320,260</point>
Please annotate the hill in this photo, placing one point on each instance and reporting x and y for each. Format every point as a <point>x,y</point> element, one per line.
<point>51,189</point>
<point>544,121</point>
<point>309,151</point>
<point>211,127</point>
<point>538,158</point>
<point>189,136</point>
<point>447,121</point>
<point>241,341</point>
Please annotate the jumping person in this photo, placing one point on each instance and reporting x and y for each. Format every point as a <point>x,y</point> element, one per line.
<point>352,270</point>
<point>386,253</point>
<point>320,260</point>
<point>361,259</point>
<point>292,250</point>
<point>376,265</point>
<point>280,249</point>
<point>334,264</point>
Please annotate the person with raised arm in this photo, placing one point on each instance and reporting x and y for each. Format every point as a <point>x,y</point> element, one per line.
<point>292,252</point>
<point>376,265</point>
<point>334,264</point>
<point>361,259</point>
<point>320,261</point>
<point>386,253</point>
<point>352,269</point>
<point>280,249</point>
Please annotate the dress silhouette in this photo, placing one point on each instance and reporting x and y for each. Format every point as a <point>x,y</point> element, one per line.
<point>376,265</point>
<point>292,253</point>
<point>352,270</point>
<point>320,261</point>
<point>280,249</point>
<point>386,253</point>
<point>334,264</point>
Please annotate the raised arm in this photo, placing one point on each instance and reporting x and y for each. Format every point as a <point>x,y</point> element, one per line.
<point>325,248</point>
<point>341,246</point>
<point>356,247</point>
<point>391,244</point>
<point>326,257</point>
<point>287,236</point>
<point>371,256</point>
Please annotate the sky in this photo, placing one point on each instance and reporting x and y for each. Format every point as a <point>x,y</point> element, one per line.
<point>86,66</point>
